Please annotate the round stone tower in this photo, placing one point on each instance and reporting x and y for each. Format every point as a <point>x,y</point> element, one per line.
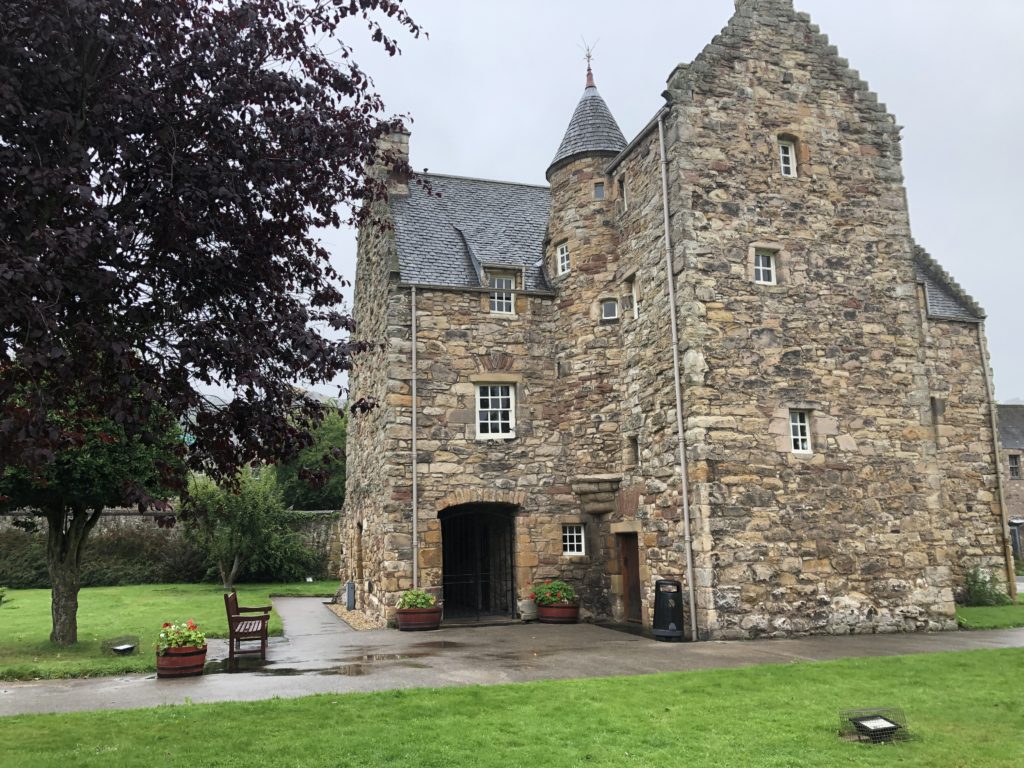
<point>581,258</point>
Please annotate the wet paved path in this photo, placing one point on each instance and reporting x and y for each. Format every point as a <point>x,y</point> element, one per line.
<point>322,654</point>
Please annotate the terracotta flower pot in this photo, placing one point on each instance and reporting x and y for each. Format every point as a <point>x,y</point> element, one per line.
<point>560,613</point>
<point>419,619</point>
<point>186,661</point>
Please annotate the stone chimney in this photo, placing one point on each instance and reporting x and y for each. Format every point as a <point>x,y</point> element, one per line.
<point>394,149</point>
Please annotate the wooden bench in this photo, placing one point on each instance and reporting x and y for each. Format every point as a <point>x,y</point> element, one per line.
<point>245,628</point>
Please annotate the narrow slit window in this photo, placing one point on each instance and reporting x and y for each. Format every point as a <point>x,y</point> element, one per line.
<point>622,192</point>
<point>764,267</point>
<point>629,300</point>
<point>787,158</point>
<point>573,542</point>
<point>562,259</point>
<point>502,293</point>
<point>800,431</point>
<point>1014,467</point>
<point>632,450</point>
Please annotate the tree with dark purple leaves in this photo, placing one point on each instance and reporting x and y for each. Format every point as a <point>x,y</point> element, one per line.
<point>162,167</point>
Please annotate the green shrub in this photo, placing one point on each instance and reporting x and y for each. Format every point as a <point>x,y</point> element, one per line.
<point>983,588</point>
<point>247,533</point>
<point>1018,566</point>
<point>416,598</point>
<point>3,594</point>
<point>142,554</point>
<point>23,560</point>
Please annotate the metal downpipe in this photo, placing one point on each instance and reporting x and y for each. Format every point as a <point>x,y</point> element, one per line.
<point>683,478</point>
<point>1011,575</point>
<point>415,494</point>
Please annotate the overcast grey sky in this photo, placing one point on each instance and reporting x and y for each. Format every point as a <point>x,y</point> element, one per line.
<point>492,90</point>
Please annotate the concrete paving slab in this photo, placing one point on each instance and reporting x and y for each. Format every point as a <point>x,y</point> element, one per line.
<point>322,654</point>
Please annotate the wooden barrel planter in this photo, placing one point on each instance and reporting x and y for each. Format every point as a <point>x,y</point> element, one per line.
<point>187,661</point>
<point>419,619</point>
<point>558,614</point>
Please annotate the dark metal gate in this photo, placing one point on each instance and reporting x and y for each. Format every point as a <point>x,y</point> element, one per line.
<point>478,576</point>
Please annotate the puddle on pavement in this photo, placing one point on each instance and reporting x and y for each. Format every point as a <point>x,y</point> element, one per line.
<point>346,670</point>
<point>439,644</point>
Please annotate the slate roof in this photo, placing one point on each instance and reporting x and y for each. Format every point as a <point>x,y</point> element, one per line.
<point>945,298</point>
<point>1011,426</point>
<point>445,240</point>
<point>592,129</point>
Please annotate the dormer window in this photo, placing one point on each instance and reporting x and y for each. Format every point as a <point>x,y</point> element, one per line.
<point>562,262</point>
<point>503,298</point>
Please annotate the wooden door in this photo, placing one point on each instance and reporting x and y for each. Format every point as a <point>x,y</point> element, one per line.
<point>629,567</point>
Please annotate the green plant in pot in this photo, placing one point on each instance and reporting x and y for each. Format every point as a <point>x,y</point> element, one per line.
<point>180,649</point>
<point>417,611</point>
<point>557,602</point>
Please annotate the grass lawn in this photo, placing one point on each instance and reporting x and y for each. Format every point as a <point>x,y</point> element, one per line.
<point>108,612</point>
<point>991,617</point>
<point>964,709</point>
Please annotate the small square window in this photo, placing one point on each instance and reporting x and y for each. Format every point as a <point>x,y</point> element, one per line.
<point>573,542</point>
<point>764,267</point>
<point>1014,467</point>
<point>800,431</point>
<point>609,310</point>
<point>562,259</point>
<point>599,190</point>
<point>787,158</point>
<point>502,287</point>
<point>496,412</point>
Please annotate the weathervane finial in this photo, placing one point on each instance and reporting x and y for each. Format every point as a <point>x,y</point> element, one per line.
<point>588,56</point>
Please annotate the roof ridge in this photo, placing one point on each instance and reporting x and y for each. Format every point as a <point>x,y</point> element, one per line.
<point>486,181</point>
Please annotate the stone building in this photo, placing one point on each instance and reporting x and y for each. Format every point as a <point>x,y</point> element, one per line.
<point>712,353</point>
<point>1011,436</point>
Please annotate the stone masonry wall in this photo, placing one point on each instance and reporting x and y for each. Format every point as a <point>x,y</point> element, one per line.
<point>587,412</point>
<point>841,539</point>
<point>972,532</point>
<point>650,501</point>
<point>370,515</point>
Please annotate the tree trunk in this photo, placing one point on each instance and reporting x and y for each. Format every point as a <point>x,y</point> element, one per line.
<point>68,528</point>
<point>227,578</point>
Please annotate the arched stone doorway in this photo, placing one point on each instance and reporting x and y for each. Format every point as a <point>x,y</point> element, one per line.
<point>478,573</point>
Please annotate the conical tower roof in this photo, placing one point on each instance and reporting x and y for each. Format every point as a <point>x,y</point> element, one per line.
<point>592,130</point>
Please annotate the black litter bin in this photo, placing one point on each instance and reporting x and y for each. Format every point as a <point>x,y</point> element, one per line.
<point>668,610</point>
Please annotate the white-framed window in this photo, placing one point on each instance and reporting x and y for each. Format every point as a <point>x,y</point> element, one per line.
<point>787,158</point>
<point>1014,467</point>
<point>609,310</point>
<point>503,298</point>
<point>496,412</point>
<point>573,539</point>
<point>599,190</point>
<point>765,268</point>
<point>562,259</point>
<point>800,431</point>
